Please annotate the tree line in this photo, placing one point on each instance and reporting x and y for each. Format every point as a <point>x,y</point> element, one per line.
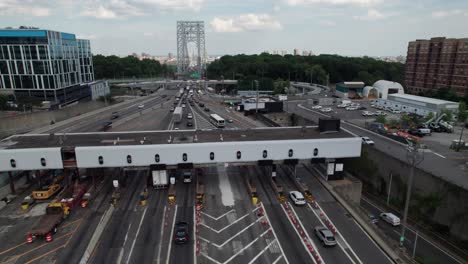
<point>113,67</point>
<point>320,69</point>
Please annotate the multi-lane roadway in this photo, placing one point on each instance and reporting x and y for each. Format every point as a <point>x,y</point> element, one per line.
<point>229,228</point>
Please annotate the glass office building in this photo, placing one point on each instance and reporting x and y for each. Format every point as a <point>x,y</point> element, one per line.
<point>45,64</point>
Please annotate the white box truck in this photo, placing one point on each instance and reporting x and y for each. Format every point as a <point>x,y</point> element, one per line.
<point>159,179</point>
<point>177,115</point>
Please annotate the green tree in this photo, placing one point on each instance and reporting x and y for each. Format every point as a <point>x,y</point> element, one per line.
<point>393,123</point>
<point>128,67</point>
<point>448,115</point>
<point>280,85</point>
<point>301,68</point>
<point>429,116</point>
<point>365,76</point>
<point>381,119</point>
<point>3,102</point>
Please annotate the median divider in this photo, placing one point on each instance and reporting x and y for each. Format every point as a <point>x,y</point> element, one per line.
<point>97,234</point>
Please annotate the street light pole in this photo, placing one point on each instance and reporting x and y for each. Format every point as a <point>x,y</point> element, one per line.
<point>414,157</point>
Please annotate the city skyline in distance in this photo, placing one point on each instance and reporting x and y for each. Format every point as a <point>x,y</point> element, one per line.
<point>373,28</point>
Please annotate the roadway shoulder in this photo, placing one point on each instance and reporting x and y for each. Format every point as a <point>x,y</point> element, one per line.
<point>380,242</point>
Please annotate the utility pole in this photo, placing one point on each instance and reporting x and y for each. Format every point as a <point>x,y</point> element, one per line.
<point>415,243</point>
<point>311,77</point>
<point>414,157</point>
<point>256,101</point>
<point>389,187</point>
<point>460,139</point>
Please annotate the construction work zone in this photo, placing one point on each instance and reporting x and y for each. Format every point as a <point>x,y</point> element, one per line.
<point>200,190</point>
<point>270,173</point>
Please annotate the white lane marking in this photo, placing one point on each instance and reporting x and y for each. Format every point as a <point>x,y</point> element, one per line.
<point>136,236</point>
<point>274,233</point>
<point>210,258</point>
<point>247,246</point>
<point>414,232</point>
<point>278,259</point>
<point>226,227</point>
<point>300,238</point>
<point>168,256</point>
<point>194,235</point>
<point>162,235</point>
<point>234,236</point>
<point>435,153</point>
<point>370,238</point>
<point>373,242</point>
<point>119,260</point>
<point>339,244</point>
<point>219,217</point>
<point>193,116</point>
<point>261,252</point>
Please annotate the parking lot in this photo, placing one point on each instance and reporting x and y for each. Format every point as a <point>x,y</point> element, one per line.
<point>436,142</point>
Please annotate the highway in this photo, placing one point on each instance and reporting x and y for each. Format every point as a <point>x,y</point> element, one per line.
<point>229,228</point>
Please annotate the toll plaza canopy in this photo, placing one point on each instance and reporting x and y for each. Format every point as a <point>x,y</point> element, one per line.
<point>144,148</point>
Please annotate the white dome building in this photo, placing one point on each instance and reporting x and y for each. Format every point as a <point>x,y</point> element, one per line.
<point>370,92</point>
<point>385,88</point>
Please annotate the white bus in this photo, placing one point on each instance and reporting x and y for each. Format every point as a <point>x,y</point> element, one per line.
<point>217,120</point>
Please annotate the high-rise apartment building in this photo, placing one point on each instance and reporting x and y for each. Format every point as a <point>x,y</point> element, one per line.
<point>45,64</point>
<point>437,63</point>
<point>296,52</point>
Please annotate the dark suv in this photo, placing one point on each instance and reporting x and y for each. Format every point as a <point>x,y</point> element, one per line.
<point>181,235</point>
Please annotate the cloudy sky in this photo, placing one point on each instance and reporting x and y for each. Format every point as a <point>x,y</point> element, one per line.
<point>346,27</point>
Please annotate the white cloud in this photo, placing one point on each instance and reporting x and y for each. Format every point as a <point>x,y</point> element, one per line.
<point>113,9</point>
<point>334,2</point>
<point>245,22</point>
<point>19,7</point>
<point>372,14</point>
<point>86,36</point>
<point>445,13</point>
<point>101,12</point>
<point>327,23</point>
<point>173,4</point>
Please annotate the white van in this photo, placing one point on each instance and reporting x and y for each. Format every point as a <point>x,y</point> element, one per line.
<point>390,218</point>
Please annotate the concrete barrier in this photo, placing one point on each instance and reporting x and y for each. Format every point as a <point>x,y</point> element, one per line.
<point>97,234</point>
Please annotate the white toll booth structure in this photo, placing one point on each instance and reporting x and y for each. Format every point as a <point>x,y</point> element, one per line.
<point>326,143</point>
